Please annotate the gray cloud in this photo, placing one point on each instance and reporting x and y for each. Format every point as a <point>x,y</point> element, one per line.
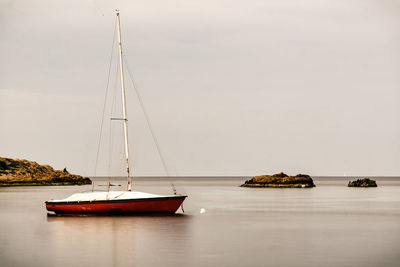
<point>232,87</point>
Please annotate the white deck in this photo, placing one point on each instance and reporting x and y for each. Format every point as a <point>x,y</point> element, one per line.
<point>112,195</point>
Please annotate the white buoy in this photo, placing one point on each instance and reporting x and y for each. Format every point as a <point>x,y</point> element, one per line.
<point>202,210</point>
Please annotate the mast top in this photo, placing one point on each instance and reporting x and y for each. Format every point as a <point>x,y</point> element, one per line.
<point>117,11</point>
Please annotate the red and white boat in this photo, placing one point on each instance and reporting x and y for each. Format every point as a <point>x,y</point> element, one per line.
<point>115,202</point>
<point>119,202</point>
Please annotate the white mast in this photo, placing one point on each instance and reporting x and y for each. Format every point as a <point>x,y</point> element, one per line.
<point>124,118</point>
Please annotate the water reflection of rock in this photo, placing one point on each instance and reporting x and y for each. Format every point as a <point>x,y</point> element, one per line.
<point>123,240</point>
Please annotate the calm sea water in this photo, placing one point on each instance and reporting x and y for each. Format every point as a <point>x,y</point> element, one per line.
<point>330,225</point>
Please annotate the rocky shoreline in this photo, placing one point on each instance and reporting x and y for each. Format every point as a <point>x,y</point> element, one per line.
<point>21,172</point>
<point>280,180</point>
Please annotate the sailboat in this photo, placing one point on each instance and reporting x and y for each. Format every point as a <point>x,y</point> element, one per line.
<point>117,202</point>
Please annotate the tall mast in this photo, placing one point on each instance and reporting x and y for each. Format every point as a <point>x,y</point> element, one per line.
<point>124,118</point>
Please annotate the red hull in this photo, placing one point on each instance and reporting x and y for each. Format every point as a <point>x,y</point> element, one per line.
<point>144,205</point>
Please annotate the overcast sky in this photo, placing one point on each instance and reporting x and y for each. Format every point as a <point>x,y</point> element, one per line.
<point>231,87</point>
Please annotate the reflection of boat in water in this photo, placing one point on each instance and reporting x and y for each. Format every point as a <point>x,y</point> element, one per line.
<point>117,202</point>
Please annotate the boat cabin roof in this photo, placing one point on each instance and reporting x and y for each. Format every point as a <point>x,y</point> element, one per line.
<point>111,195</point>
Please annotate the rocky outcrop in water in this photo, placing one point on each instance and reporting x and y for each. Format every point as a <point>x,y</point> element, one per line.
<point>280,180</point>
<point>14,172</point>
<point>366,182</point>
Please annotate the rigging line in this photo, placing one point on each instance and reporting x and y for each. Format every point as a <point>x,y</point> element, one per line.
<point>149,125</point>
<point>110,143</point>
<point>105,102</point>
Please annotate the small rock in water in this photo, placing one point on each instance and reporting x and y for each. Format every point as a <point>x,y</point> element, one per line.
<point>366,182</point>
<point>280,180</point>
